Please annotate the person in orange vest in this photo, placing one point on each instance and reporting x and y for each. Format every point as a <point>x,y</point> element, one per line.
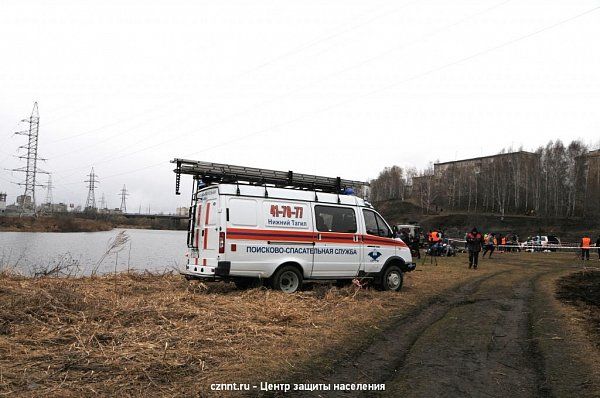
<point>435,236</point>
<point>585,247</point>
<point>434,240</point>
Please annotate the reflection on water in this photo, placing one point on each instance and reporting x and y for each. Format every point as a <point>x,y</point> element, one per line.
<point>145,249</point>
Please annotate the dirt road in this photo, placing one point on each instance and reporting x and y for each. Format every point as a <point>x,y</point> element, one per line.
<point>480,339</point>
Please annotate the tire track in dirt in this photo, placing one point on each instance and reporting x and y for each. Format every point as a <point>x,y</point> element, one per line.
<point>474,340</point>
<point>481,347</point>
<point>383,358</point>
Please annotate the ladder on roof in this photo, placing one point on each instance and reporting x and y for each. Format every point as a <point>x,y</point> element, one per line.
<point>226,173</point>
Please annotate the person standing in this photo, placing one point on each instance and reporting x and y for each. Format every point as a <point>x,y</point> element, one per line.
<point>598,246</point>
<point>489,245</point>
<point>415,245</point>
<point>474,247</point>
<point>585,247</point>
<point>404,236</point>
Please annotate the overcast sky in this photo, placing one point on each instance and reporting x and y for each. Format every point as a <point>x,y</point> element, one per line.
<point>327,87</point>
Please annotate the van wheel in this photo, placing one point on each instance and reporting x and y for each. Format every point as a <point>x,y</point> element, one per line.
<point>392,279</point>
<point>287,279</point>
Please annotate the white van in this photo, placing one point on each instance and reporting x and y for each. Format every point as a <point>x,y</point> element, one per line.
<point>283,236</point>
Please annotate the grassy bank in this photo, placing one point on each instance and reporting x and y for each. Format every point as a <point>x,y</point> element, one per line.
<point>146,334</point>
<point>66,223</point>
<point>140,334</point>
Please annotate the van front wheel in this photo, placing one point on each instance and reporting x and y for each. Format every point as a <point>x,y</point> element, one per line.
<point>287,279</point>
<point>392,279</point>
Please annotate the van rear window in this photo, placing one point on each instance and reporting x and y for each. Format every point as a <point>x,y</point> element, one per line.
<point>335,219</point>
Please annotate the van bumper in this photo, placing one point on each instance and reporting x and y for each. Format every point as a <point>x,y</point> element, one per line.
<point>410,267</point>
<point>221,271</point>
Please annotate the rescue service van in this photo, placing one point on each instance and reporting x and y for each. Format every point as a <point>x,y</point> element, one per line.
<point>284,236</point>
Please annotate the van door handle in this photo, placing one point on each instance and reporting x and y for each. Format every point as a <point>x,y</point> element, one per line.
<point>376,247</point>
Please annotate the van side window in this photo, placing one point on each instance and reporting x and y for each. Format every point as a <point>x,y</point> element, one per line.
<point>375,225</point>
<point>383,229</point>
<point>370,223</point>
<point>335,219</point>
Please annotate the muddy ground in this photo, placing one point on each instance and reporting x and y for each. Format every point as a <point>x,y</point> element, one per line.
<point>501,334</point>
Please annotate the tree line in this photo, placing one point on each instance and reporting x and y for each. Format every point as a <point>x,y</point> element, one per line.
<point>551,181</point>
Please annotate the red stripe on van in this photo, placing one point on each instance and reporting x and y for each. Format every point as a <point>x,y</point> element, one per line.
<point>197,237</point>
<point>264,234</point>
<point>337,237</point>
<point>270,232</point>
<point>302,236</point>
<point>205,237</point>
<point>207,213</point>
<point>383,241</point>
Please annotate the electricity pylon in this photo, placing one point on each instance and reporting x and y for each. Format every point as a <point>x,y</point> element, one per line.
<point>90,203</point>
<point>124,195</point>
<point>27,201</point>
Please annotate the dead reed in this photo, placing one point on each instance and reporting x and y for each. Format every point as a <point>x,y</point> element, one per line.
<point>157,334</point>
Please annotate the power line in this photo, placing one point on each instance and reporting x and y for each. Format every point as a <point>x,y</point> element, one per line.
<point>309,44</point>
<point>372,92</point>
<point>299,89</point>
<point>332,36</point>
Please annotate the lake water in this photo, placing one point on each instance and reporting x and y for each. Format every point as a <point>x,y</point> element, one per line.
<point>145,249</point>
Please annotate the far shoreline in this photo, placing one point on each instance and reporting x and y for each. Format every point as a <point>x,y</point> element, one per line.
<point>82,223</point>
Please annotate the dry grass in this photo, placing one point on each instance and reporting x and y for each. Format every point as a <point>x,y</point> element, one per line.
<point>581,290</point>
<point>160,335</point>
<point>564,335</point>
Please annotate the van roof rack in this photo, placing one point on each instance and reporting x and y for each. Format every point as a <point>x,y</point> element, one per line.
<point>226,173</point>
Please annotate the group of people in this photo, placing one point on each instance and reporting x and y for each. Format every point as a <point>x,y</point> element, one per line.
<point>413,242</point>
<point>475,242</point>
<point>438,244</point>
<point>504,243</point>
